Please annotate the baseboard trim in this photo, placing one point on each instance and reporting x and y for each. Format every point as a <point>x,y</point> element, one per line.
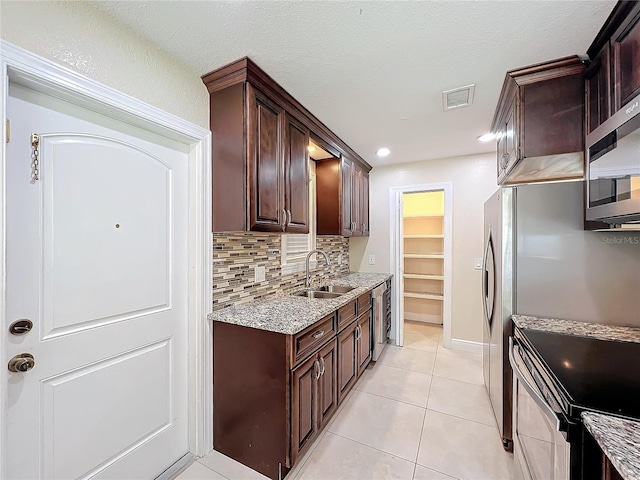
<point>422,317</point>
<point>466,346</point>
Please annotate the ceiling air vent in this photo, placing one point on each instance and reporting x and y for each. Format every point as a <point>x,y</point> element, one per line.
<point>457,97</point>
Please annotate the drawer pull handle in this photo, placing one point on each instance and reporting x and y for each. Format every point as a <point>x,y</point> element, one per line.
<point>318,334</point>
<point>316,367</point>
<point>322,366</point>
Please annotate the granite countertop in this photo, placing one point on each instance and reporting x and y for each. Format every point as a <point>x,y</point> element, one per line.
<point>584,329</point>
<point>619,439</point>
<point>290,314</point>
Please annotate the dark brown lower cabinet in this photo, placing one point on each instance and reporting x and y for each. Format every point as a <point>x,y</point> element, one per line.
<point>354,353</point>
<point>328,383</point>
<point>364,341</point>
<point>273,393</point>
<point>304,425</point>
<point>313,397</point>
<point>347,360</point>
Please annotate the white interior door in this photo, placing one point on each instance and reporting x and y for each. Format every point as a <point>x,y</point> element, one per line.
<point>97,258</point>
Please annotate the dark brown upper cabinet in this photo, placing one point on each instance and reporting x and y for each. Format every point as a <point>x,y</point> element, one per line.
<point>625,57</point>
<point>342,186</point>
<point>598,90</point>
<point>265,139</point>
<point>613,77</point>
<point>260,159</point>
<point>539,123</point>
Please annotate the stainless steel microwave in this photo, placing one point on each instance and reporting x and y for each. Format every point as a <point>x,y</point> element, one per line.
<point>613,168</point>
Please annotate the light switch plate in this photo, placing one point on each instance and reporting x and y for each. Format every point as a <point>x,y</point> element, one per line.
<point>478,263</point>
<point>259,274</point>
<point>372,259</point>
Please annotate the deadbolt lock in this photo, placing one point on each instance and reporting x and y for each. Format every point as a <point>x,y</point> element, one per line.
<point>22,363</point>
<point>21,327</point>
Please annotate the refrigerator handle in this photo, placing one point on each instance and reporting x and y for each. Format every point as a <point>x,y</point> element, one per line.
<point>485,277</point>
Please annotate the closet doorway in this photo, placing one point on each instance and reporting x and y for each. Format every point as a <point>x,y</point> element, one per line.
<point>422,246</point>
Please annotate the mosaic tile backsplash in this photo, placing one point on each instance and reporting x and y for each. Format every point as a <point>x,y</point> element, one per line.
<point>236,255</point>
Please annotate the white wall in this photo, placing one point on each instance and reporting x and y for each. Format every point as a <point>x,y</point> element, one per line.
<point>84,39</point>
<point>474,181</point>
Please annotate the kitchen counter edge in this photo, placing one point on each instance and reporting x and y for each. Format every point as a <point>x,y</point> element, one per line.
<point>584,329</point>
<point>619,439</point>
<point>289,314</point>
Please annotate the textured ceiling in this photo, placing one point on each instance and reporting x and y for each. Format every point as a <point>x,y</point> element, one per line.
<point>373,72</point>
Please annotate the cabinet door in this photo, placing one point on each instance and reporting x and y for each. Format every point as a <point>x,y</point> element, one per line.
<point>347,361</point>
<point>356,187</point>
<point>364,341</point>
<point>625,45</point>
<point>327,383</point>
<point>598,90</point>
<point>296,184</point>
<point>364,203</point>
<point>511,138</point>
<point>264,143</point>
<point>507,142</point>
<point>346,172</point>
<point>304,425</point>
<point>500,143</point>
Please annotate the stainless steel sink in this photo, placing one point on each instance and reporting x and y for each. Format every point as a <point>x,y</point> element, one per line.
<point>317,294</point>
<point>336,288</point>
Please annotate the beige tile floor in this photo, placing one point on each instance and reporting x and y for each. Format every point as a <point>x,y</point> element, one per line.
<point>421,412</point>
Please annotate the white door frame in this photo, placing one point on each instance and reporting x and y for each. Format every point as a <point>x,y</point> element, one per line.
<point>19,65</point>
<point>397,248</point>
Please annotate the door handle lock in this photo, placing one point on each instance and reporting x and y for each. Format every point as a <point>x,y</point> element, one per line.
<point>22,362</point>
<point>21,327</point>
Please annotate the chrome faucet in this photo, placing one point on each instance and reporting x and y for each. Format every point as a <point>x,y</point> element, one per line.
<point>307,282</point>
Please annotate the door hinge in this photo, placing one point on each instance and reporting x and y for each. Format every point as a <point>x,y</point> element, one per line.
<point>8,130</point>
<point>35,160</point>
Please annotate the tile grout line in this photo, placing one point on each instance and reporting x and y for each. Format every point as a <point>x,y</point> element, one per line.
<point>372,447</point>
<point>400,368</point>
<point>461,418</point>
<point>457,380</point>
<point>307,456</point>
<point>394,399</point>
<point>423,420</point>
<point>207,466</point>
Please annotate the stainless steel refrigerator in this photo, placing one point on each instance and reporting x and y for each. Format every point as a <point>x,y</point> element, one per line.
<point>539,261</point>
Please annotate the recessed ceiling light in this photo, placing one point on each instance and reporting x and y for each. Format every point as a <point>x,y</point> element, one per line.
<point>311,148</point>
<point>487,137</point>
<point>383,152</point>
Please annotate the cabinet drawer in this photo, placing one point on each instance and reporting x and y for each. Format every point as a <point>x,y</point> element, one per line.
<point>314,336</point>
<point>346,314</point>
<point>364,303</point>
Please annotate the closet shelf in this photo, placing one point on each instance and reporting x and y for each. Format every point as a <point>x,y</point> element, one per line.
<point>423,236</point>
<point>421,276</point>
<point>422,255</point>
<point>428,296</point>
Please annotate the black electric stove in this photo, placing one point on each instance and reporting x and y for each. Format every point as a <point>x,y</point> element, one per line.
<point>586,373</point>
